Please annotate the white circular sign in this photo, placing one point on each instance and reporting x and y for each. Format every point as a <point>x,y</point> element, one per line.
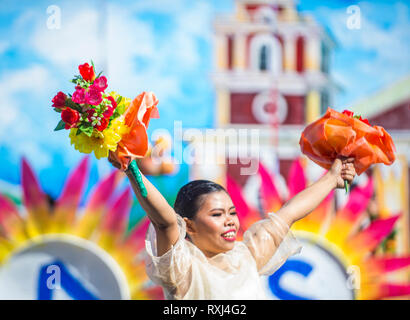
<point>62,267</point>
<point>314,274</point>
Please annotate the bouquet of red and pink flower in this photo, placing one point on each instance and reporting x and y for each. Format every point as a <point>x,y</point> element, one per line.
<point>89,107</point>
<point>102,122</point>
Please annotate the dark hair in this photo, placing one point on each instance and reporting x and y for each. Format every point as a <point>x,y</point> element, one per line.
<point>189,198</point>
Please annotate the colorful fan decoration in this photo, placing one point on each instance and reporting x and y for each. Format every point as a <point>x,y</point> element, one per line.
<point>101,225</point>
<point>335,233</point>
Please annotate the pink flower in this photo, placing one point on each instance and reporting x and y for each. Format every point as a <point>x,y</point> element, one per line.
<point>59,100</point>
<point>100,83</point>
<point>109,112</point>
<point>79,96</point>
<point>93,96</point>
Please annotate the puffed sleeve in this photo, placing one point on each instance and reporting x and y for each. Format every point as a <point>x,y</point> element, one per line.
<point>171,270</point>
<point>271,243</point>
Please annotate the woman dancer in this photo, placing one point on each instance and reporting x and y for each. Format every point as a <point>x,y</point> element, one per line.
<point>192,250</point>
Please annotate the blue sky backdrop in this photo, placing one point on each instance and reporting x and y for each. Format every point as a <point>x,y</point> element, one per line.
<point>164,46</point>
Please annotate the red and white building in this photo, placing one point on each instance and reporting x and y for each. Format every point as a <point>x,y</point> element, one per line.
<point>271,78</point>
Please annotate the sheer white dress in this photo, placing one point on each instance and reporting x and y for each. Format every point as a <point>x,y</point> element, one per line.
<point>184,272</point>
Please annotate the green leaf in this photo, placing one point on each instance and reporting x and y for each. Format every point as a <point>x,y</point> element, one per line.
<point>118,100</point>
<point>77,80</point>
<point>116,114</point>
<point>99,75</point>
<point>57,110</point>
<point>87,129</point>
<point>78,132</point>
<point>70,103</point>
<point>60,126</point>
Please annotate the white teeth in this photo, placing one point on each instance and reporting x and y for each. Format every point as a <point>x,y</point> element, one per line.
<point>229,234</point>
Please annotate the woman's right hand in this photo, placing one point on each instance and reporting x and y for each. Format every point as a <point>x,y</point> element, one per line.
<point>113,160</point>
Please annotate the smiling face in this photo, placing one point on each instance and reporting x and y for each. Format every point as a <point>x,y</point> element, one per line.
<point>215,226</point>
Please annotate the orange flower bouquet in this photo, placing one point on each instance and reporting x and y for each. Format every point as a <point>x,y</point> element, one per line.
<point>103,122</point>
<point>344,134</point>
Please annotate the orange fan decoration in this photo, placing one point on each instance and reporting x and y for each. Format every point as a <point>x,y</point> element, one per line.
<point>344,134</point>
<point>134,144</point>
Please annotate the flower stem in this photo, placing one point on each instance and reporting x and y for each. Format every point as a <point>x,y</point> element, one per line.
<point>138,178</point>
<point>346,186</point>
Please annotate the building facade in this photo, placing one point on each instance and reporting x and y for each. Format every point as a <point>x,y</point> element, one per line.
<point>271,78</point>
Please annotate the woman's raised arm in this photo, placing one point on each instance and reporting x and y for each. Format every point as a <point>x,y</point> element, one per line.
<point>307,200</point>
<point>160,213</point>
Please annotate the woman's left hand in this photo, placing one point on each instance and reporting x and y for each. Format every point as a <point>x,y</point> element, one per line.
<point>343,169</point>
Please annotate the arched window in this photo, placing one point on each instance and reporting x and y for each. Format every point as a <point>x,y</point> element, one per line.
<point>263,59</point>
<point>265,53</point>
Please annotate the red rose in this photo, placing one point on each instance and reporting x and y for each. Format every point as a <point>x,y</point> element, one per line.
<point>93,96</point>
<point>87,72</point>
<point>70,117</point>
<point>59,100</point>
<point>100,83</point>
<point>348,113</point>
<point>103,124</point>
<point>109,112</point>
